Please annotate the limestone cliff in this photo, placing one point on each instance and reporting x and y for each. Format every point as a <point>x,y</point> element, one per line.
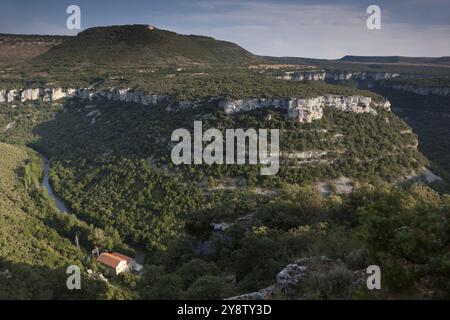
<point>336,75</point>
<point>303,109</point>
<point>53,94</point>
<point>307,109</point>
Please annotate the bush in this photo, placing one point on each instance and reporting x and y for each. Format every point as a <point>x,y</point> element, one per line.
<point>334,284</point>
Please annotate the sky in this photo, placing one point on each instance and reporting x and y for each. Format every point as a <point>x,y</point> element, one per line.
<point>304,28</point>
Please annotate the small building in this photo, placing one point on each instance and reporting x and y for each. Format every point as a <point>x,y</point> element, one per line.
<point>131,263</point>
<point>116,265</point>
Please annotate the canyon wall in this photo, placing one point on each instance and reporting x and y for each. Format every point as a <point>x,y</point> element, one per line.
<point>53,94</point>
<point>303,109</point>
<point>307,109</point>
<point>336,75</point>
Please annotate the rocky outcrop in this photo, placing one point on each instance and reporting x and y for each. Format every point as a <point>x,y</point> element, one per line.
<point>35,94</point>
<point>220,226</point>
<point>296,158</point>
<point>336,75</point>
<point>422,175</point>
<point>54,94</point>
<point>243,221</point>
<point>307,109</point>
<point>309,76</point>
<point>9,126</point>
<point>263,294</point>
<point>309,154</point>
<point>11,95</point>
<point>30,94</point>
<point>309,276</point>
<point>289,277</point>
<point>303,109</point>
<point>423,91</point>
<point>59,93</point>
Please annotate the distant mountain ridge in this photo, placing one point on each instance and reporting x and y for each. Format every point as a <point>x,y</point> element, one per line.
<point>410,66</point>
<point>144,45</point>
<point>396,59</point>
<point>20,48</point>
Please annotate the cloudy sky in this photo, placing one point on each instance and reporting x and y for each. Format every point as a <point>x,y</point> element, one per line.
<point>303,28</point>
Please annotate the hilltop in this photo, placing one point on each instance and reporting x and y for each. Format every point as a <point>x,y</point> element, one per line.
<point>144,45</point>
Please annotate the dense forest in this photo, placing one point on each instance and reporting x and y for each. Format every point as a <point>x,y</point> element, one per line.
<point>115,174</point>
<point>216,231</point>
<point>35,241</point>
<point>404,230</point>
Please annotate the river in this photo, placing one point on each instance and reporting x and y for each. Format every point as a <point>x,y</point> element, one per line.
<point>62,207</point>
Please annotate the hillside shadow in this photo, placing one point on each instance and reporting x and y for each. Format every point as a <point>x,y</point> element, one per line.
<point>20,281</point>
<point>97,129</point>
<point>429,117</point>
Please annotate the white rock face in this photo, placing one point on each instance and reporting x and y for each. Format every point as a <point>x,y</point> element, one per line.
<point>303,109</point>
<point>53,94</point>
<point>11,95</point>
<point>337,75</point>
<point>307,109</point>
<point>250,104</point>
<point>309,76</point>
<point>305,154</point>
<point>125,95</point>
<point>30,94</point>
<point>59,93</point>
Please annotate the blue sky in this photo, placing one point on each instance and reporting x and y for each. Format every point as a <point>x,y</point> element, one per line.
<point>306,28</point>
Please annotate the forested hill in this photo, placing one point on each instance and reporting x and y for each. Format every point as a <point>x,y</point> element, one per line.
<point>134,45</point>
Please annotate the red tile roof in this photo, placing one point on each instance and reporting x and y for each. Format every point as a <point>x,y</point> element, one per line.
<point>109,260</point>
<point>122,256</point>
